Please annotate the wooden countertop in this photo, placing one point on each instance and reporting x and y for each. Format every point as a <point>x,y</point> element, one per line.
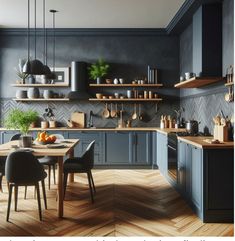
<point>199,141</point>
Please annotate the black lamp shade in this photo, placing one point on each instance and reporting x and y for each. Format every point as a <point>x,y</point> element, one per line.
<point>34,67</point>
<point>47,70</point>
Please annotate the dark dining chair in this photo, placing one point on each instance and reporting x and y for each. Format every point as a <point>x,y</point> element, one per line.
<point>82,164</point>
<point>3,160</point>
<point>23,169</point>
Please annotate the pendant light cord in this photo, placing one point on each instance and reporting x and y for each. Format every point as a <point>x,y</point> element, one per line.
<point>44,32</point>
<point>54,41</point>
<point>35,26</point>
<point>28,28</point>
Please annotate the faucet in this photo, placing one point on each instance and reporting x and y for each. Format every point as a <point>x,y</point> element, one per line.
<point>90,121</point>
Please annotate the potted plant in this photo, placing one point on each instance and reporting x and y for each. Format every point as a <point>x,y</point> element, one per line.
<point>19,71</point>
<point>98,70</point>
<point>21,120</point>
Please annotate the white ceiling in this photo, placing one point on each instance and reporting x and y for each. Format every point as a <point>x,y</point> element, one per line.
<point>92,13</point>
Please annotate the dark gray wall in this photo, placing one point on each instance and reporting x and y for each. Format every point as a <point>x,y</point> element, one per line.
<point>204,103</point>
<point>128,54</point>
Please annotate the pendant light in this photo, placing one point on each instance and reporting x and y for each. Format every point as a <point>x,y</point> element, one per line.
<point>35,66</point>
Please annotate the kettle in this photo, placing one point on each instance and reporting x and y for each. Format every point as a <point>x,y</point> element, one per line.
<point>192,126</point>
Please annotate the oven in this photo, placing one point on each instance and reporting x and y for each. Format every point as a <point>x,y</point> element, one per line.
<point>172,166</point>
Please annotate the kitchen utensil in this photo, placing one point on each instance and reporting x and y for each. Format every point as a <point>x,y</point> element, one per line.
<point>192,126</point>
<point>117,112</point>
<point>78,119</point>
<point>106,112</point>
<point>222,113</point>
<point>231,94</point>
<point>140,116</point>
<point>112,111</point>
<point>134,115</point>
<point>227,96</point>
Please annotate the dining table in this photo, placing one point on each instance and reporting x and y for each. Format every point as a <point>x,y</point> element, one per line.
<point>59,150</point>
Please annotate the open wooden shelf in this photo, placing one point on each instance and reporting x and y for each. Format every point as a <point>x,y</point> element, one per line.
<point>40,85</point>
<point>41,99</point>
<point>229,84</point>
<point>126,100</point>
<point>126,85</point>
<point>198,82</point>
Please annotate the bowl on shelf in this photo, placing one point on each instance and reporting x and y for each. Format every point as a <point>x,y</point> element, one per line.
<point>99,95</point>
<point>108,81</point>
<point>111,97</point>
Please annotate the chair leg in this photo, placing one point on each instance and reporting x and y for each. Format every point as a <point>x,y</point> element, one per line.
<point>1,183</point>
<point>65,182</point>
<point>92,180</point>
<point>16,197</point>
<point>9,201</point>
<point>44,193</point>
<point>90,186</point>
<point>39,201</point>
<point>25,192</point>
<point>49,177</point>
<point>54,172</point>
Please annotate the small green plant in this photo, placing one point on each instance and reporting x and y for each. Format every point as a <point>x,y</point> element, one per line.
<point>19,70</point>
<point>99,69</point>
<point>18,119</point>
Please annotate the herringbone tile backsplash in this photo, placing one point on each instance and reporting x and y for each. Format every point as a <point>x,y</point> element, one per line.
<point>151,112</point>
<point>204,108</point>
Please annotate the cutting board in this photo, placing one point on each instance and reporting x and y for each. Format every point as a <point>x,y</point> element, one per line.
<point>78,119</point>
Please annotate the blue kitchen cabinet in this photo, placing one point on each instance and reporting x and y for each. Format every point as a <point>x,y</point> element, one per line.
<point>6,135</point>
<point>182,167</point>
<point>161,154</point>
<point>118,148</point>
<point>141,148</point>
<point>196,179</point>
<point>84,139</point>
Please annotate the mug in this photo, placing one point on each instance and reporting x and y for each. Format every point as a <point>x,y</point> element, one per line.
<point>189,75</point>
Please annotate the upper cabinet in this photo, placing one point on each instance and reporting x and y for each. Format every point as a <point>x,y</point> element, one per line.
<point>206,47</point>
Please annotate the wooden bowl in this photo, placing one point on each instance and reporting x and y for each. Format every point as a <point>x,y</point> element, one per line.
<point>108,81</point>
<point>99,95</point>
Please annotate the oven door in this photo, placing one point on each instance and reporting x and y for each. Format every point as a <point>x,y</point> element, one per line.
<point>172,162</point>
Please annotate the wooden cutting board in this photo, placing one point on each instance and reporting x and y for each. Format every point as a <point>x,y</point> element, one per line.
<point>78,119</point>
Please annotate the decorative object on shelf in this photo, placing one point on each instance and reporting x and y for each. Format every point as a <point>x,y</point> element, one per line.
<point>43,79</point>
<point>121,81</point>
<point>152,75</point>
<point>129,94</point>
<point>108,81</point>
<point>33,93</point>
<point>31,79</point>
<point>47,94</point>
<point>35,66</point>
<point>182,78</point>
<point>221,126</point>
<point>19,71</point>
<point>115,81</point>
<point>229,97</point>
<point>189,75</point>
<point>116,95</point>
<point>98,70</point>
<point>99,95</point>
<point>61,75</point>
<point>229,74</point>
<point>21,94</point>
<point>18,119</point>
<point>44,124</point>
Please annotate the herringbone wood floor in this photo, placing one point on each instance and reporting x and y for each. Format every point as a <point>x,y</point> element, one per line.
<point>127,203</point>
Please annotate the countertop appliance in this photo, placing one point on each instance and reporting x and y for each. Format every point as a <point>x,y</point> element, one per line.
<point>192,126</point>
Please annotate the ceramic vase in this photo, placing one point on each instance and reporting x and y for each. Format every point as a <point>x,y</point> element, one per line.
<point>33,93</point>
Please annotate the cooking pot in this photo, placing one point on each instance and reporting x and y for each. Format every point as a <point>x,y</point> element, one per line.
<point>192,126</point>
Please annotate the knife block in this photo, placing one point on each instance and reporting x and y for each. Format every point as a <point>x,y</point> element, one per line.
<point>221,133</point>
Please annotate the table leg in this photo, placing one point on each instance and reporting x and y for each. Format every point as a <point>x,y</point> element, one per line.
<point>60,204</point>
<point>71,175</point>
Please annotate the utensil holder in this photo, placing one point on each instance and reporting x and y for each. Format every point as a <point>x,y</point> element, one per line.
<point>221,133</point>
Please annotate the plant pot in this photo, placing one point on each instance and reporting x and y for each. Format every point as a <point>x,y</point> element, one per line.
<point>98,80</point>
<point>25,141</point>
<point>31,79</point>
<point>21,94</point>
<point>47,94</point>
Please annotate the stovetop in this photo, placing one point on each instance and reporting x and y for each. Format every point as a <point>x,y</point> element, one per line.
<point>185,133</point>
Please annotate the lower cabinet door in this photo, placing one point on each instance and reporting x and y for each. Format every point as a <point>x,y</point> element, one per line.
<point>196,177</point>
<point>162,155</point>
<point>142,148</point>
<point>118,148</point>
<point>85,139</point>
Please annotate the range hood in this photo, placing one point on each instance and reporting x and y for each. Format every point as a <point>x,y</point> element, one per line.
<point>78,81</point>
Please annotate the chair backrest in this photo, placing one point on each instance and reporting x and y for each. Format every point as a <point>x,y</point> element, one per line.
<point>88,156</point>
<point>15,137</point>
<point>23,167</point>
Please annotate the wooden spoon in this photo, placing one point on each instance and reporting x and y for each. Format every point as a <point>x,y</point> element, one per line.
<point>113,111</point>
<point>134,115</point>
<point>106,112</point>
